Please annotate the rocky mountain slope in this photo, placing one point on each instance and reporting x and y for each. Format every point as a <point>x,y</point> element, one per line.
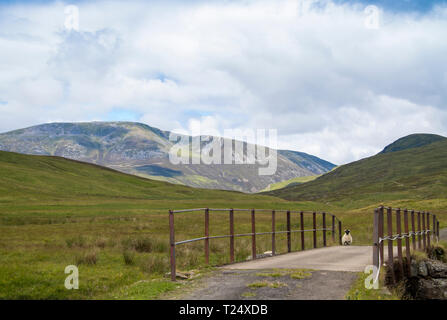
<point>142,150</point>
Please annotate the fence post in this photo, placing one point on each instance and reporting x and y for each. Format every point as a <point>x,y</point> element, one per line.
<point>314,217</point>
<point>207,234</point>
<point>434,229</point>
<point>419,231</point>
<point>424,238</point>
<point>289,239</point>
<point>339,232</point>
<point>253,237</point>
<point>333,229</point>
<point>437,230</point>
<point>399,242</point>
<point>231,235</point>
<point>273,233</point>
<point>172,244</point>
<point>324,229</point>
<point>407,242</point>
<point>413,229</point>
<point>428,228</point>
<point>376,239</point>
<point>389,215</point>
<point>381,228</point>
<point>302,229</point>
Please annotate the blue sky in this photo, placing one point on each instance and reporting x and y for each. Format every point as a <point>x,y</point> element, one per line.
<point>400,5</point>
<point>393,5</point>
<point>332,84</point>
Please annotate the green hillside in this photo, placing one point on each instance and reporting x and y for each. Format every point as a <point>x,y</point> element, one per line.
<point>38,178</point>
<point>416,173</point>
<point>290,182</point>
<point>412,141</point>
<point>56,212</point>
<point>141,150</point>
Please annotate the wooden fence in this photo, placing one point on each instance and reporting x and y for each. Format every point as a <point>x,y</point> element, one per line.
<point>419,228</point>
<point>207,237</point>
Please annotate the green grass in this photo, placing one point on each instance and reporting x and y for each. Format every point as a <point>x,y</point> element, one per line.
<point>248,294</point>
<point>258,284</point>
<point>269,274</point>
<point>358,290</point>
<point>293,273</point>
<point>293,181</point>
<point>56,212</point>
<point>263,284</point>
<point>300,274</point>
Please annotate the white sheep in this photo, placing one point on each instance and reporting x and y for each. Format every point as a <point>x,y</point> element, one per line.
<point>347,238</point>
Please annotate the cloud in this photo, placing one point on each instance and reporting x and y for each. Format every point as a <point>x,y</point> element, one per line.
<point>311,69</point>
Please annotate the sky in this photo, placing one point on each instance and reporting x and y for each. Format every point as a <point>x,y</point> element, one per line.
<point>336,79</point>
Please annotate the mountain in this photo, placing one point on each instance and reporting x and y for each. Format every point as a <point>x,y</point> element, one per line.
<point>142,150</point>
<point>415,173</point>
<point>412,141</point>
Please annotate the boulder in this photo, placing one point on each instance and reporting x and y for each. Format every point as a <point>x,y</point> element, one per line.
<point>427,289</point>
<point>422,269</point>
<point>414,268</point>
<point>428,280</point>
<point>436,269</point>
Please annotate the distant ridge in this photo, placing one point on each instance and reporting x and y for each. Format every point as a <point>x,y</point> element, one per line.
<point>142,150</point>
<point>412,141</point>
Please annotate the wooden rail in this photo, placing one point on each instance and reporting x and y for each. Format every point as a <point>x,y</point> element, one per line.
<point>423,232</point>
<point>206,238</point>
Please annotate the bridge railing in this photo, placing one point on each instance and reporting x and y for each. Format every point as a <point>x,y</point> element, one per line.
<point>207,237</point>
<point>418,229</point>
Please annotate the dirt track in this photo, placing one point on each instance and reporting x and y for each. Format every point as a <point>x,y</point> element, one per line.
<point>334,269</point>
<point>234,285</point>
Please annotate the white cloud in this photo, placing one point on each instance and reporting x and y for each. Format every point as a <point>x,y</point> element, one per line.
<point>330,86</point>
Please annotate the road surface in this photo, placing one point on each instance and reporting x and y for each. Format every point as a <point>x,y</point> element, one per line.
<point>334,269</point>
<point>338,258</point>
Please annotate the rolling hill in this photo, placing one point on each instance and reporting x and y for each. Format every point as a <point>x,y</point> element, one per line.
<point>412,141</point>
<point>56,212</point>
<point>415,172</point>
<point>56,179</point>
<point>142,150</point>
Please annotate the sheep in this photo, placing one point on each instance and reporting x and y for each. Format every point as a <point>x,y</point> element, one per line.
<point>347,238</point>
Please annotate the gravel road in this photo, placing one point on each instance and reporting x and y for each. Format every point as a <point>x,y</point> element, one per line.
<point>235,285</point>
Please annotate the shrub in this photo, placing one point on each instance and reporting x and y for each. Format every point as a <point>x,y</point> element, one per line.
<point>79,241</point>
<point>101,243</point>
<point>155,264</point>
<point>437,253</point>
<point>129,257</point>
<point>88,258</point>
<point>145,245</point>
